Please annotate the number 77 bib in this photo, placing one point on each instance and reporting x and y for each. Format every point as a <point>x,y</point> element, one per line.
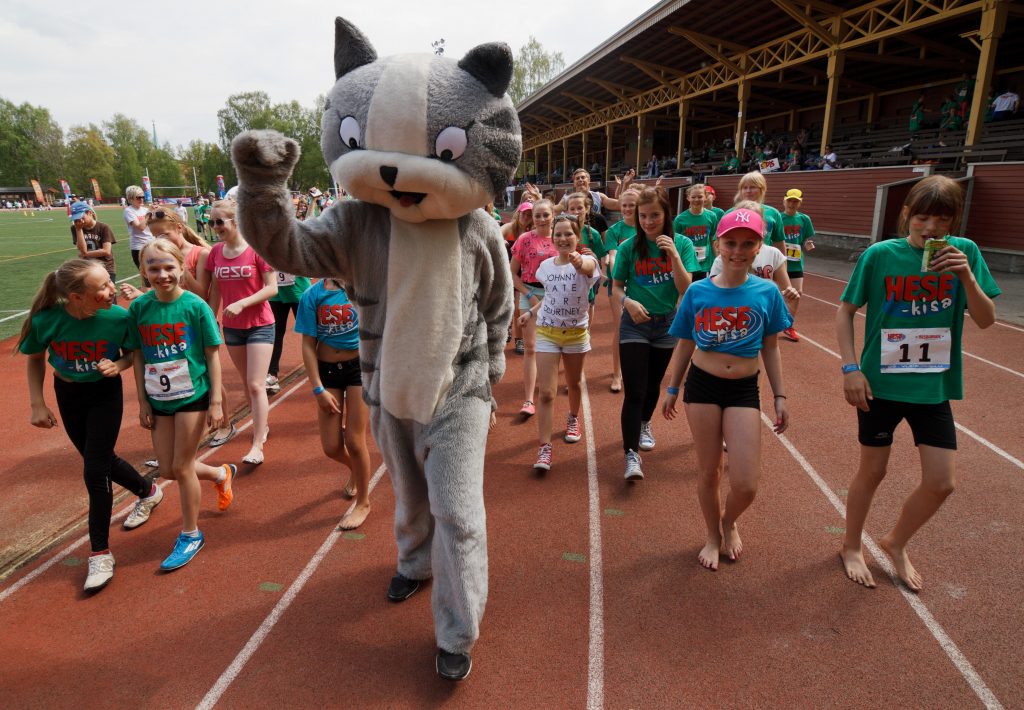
<point>915,350</point>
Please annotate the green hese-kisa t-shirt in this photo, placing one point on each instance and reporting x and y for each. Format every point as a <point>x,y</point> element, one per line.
<point>700,229</point>
<point>902,299</point>
<point>75,345</point>
<point>173,338</point>
<point>798,229</point>
<point>648,279</point>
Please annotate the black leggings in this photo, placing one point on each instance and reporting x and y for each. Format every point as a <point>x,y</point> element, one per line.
<point>91,413</point>
<point>643,367</point>
<point>280,328</point>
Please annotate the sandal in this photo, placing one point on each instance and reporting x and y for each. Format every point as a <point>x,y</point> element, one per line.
<point>221,440</point>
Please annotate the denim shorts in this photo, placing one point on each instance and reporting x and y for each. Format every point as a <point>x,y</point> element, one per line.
<point>247,336</point>
<point>524,298</point>
<point>654,332</point>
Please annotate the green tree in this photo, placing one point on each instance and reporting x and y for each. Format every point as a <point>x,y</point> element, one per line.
<point>31,145</point>
<point>532,69</point>
<point>250,109</point>
<point>132,147</point>
<point>89,155</point>
<point>165,170</point>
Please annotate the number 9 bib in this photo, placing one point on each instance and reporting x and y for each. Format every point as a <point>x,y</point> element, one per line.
<point>284,279</point>
<point>166,381</point>
<point>915,350</point>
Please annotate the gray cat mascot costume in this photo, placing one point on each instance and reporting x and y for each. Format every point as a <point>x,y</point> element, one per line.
<point>422,142</point>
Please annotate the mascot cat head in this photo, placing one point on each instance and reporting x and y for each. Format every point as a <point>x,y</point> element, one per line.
<point>424,136</point>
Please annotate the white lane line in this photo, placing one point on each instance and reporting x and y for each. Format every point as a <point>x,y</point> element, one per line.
<point>831,278</point>
<point>66,552</point>
<point>19,314</point>
<point>976,357</point>
<point>948,645</point>
<point>595,660</point>
<point>257,639</point>
<point>977,437</point>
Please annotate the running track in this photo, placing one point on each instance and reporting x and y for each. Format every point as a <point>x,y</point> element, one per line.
<point>596,596</point>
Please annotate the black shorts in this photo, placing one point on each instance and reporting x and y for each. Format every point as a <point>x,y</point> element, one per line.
<point>931,424</point>
<point>698,275</point>
<point>796,274</point>
<point>200,405</point>
<point>340,375</point>
<point>704,388</point>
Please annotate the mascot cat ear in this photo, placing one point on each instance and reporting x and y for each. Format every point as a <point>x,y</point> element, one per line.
<point>491,65</point>
<point>351,48</point>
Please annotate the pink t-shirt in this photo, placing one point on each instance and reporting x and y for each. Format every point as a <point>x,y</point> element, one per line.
<point>240,278</point>
<point>531,250</point>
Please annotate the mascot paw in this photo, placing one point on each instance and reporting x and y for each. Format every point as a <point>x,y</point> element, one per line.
<point>264,154</point>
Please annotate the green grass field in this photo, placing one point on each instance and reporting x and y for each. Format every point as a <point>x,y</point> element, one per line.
<point>32,245</point>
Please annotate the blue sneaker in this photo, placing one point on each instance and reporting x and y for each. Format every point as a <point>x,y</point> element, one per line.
<point>185,548</point>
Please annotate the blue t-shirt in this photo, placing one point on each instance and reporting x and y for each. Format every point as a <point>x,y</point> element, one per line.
<point>329,317</point>
<point>731,320</point>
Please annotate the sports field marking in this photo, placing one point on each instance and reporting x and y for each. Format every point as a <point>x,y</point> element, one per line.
<point>124,511</point>
<point>595,654</point>
<point>257,639</point>
<point>938,633</point>
<point>19,314</point>
<point>977,437</point>
<point>976,357</point>
<point>9,259</point>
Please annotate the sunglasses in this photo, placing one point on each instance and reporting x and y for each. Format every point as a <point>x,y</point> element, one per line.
<point>220,222</point>
<point>138,197</point>
<point>159,214</point>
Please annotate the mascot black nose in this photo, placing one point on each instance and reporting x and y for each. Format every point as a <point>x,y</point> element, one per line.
<point>389,174</point>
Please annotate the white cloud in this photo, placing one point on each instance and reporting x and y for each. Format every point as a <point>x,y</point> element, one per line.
<point>176,63</point>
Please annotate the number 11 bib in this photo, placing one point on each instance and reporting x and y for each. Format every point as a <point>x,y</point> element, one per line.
<point>915,350</point>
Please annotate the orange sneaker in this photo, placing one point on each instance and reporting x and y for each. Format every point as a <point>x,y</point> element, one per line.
<point>224,493</point>
<point>791,334</point>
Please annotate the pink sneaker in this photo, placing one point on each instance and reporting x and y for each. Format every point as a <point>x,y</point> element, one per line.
<point>528,409</point>
<point>572,429</point>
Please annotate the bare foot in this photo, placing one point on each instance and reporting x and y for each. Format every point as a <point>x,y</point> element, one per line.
<point>354,519</point>
<point>349,491</point>
<point>708,556</point>
<point>901,561</point>
<point>732,546</point>
<point>856,568</point>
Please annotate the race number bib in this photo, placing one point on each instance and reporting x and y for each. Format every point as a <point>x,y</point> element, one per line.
<point>167,381</point>
<point>284,279</point>
<point>793,251</point>
<point>915,350</point>
<point>700,252</point>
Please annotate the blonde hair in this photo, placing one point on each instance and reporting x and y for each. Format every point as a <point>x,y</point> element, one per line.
<point>171,216</point>
<point>695,186</point>
<point>133,191</point>
<point>163,245</point>
<point>752,178</point>
<point>57,285</point>
<point>228,206</point>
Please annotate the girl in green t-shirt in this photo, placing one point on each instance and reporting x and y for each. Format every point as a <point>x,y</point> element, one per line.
<point>75,322</point>
<point>175,336</point>
<point>698,225</point>
<point>754,187</point>
<point>910,366</point>
<point>651,273</point>
<point>619,232</point>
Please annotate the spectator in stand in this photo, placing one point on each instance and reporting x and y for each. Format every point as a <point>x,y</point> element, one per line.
<point>829,161</point>
<point>730,166</point>
<point>1005,105</point>
<point>95,240</point>
<point>653,170</point>
<point>917,115</point>
<point>795,161</point>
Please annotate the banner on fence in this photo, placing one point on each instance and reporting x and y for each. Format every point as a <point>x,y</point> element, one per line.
<point>96,189</point>
<point>38,190</point>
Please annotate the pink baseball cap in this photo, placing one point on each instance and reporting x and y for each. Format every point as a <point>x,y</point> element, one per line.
<point>740,219</point>
<point>524,207</point>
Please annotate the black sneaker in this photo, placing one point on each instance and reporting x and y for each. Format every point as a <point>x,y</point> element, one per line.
<point>453,666</point>
<point>401,588</point>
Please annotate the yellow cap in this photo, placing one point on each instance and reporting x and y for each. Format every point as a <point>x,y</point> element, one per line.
<point>795,194</point>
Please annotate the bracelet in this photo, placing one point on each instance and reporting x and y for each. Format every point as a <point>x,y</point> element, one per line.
<point>319,389</point>
<point>782,396</point>
<point>672,390</point>
<point>850,367</point>
<point>623,304</point>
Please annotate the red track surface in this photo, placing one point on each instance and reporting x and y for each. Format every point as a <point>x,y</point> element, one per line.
<point>646,627</point>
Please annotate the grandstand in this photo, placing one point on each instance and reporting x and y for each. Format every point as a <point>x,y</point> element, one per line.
<point>687,82</point>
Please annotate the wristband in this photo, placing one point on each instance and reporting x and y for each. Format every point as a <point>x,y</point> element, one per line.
<point>850,367</point>
<point>672,390</point>
<point>319,389</point>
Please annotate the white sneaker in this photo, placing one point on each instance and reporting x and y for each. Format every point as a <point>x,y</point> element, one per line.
<point>646,437</point>
<point>101,571</point>
<point>273,385</point>
<point>633,472</point>
<point>143,507</point>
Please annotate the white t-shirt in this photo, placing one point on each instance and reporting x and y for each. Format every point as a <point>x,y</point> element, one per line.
<point>566,290</point>
<point>766,263</point>
<point>1006,102</point>
<point>182,213</point>
<point>829,161</point>
<point>138,238</point>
